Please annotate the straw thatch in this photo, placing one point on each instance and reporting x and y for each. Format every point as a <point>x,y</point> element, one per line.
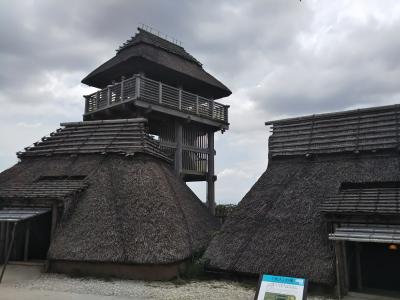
<point>159,59</point>
<point>119,203</point>
<point>134,210</point>
<point>278,227</point>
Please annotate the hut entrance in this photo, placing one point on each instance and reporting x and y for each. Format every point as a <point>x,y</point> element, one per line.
<point>374,266</point>
<point>368,258</point>
<point>24,234</point>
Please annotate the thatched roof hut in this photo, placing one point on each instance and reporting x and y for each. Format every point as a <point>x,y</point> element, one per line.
<point>121,209</point>
<point>279,227</point>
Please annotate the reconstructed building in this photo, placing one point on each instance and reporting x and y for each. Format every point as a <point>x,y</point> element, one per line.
<point>107,195</point>
<point>326,208</point>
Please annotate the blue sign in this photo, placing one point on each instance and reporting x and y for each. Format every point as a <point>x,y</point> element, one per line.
<point>273,287</point>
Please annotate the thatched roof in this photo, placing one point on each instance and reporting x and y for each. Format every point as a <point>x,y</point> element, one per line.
<point>119,197</point>
<point>364,200</point>
<point>134,210</point>
<point>159,59</point>
<point>126,136</point>
<point>370,129</point>
<point>53,189</point>
<point>278,227</point>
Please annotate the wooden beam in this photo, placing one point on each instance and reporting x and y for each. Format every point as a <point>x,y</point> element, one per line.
<point>27,235</point>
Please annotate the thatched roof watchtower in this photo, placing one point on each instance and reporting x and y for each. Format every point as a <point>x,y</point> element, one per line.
<point>155,78</point>
<point>106,196</point>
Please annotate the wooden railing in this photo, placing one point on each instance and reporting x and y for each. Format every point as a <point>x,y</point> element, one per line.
<point>151,91</point>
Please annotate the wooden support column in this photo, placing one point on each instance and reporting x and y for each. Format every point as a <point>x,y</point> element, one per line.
<point>7,230</point>
<point>54,215</point>
<point>358,266</point>
<point>178,150</point>
<point>339,269</point>
<point>26,244</point>
<point>211,174</point>
<point>8,251</point>
<point>2,240</point>
<point>345,269</point>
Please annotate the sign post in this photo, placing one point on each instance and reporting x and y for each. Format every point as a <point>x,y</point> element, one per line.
<point>271,287</point>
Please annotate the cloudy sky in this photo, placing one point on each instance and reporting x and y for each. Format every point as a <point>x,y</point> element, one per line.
<point>280,58</point>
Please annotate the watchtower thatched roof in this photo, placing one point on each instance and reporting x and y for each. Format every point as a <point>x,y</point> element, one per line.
<point>278,226</point>
<point>119,202</point>
<point>161,60</point>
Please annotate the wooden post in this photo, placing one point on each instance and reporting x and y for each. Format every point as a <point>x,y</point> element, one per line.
<point>54,215</point>
<point>338,258</point>
<point>122,88</point>
<point>345,269</point>
<point>160,92</point>
<point>86,103</point>
<point>97,99</point>
<point>6,240</point>
<point>358,266</point>
<point>178,150</point>
<point>8,252</point>
<point>197,104</point>
<point>26,245</point>
<point>212,108</point>
<point>2,241</point>
<point>180,99</point>
<point>109,99</point>
<point>210,174</point>
<point>226,113</point>
<point>137,92</point>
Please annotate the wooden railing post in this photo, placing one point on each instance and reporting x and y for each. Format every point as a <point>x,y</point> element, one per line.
<point>197,104</point>
<point>180,99</point>
<point>109,94</point>
<point>97,99</point>
<point>212,108</point>
<point>137,86</point>
<point>122,88</point>
<point>160,92</point>
<point>86,103</point>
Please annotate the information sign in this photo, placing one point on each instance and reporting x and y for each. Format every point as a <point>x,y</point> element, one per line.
<point>272,287</point>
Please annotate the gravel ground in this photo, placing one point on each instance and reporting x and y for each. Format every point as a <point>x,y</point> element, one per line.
<point>140,289</point>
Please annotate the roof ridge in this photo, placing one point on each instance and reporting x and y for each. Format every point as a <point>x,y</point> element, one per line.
<point>147,37</point>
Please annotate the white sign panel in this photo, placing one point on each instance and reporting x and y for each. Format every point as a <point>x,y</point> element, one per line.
<point>273,287</point>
